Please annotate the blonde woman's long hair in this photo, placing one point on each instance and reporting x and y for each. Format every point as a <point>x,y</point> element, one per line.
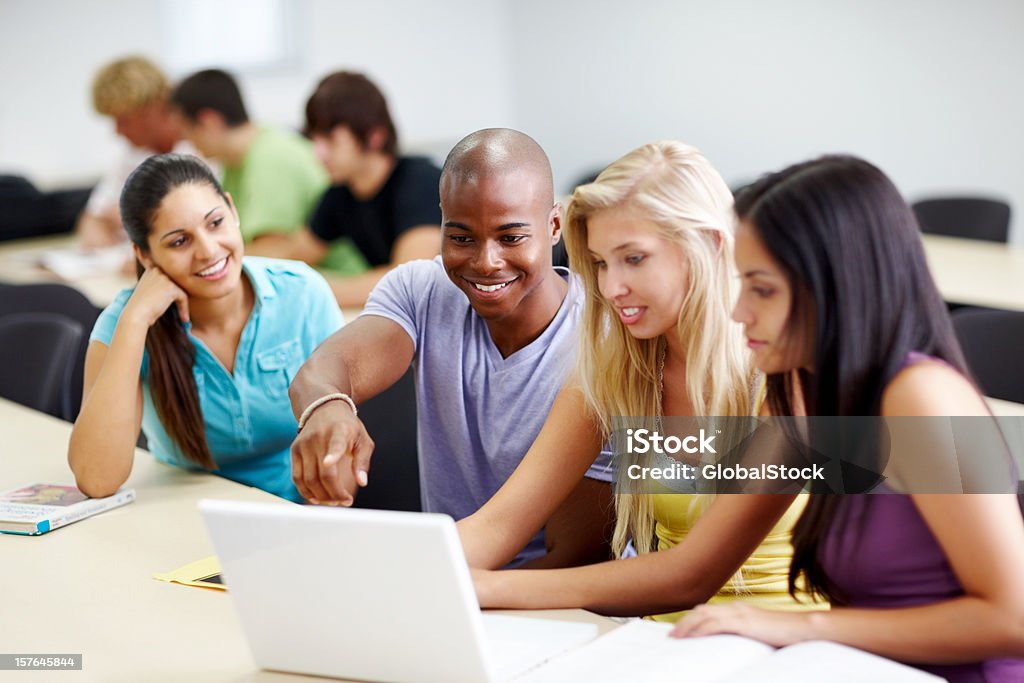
<point>677,189</point>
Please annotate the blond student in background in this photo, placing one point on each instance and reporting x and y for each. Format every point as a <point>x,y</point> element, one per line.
<point>133,92</point>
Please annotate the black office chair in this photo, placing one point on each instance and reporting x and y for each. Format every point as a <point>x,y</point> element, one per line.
<point>971,217</point>
<point>738,186</point>
<point>559,255</point>
<point>992,341</point>
<point>27,212</point>
<point>63,300</point>
<point>586,178</point>
<point>38,356</point>
<point>390,420</point>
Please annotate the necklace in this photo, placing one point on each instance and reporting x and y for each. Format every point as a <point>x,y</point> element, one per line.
<point>662,352</point>
<point>661,370</point>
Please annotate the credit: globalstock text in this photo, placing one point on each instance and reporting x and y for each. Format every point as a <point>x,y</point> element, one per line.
<point>681,472</point>
<point>644,441</point>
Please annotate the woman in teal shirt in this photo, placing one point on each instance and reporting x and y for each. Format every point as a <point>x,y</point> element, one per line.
<point>199,354</point>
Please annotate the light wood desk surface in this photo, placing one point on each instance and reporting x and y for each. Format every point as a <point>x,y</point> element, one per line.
<point>977,273</point>
<point>1002,408</point>
<point>16,267</point>
<point>88,588</point>
<point>966,271</point>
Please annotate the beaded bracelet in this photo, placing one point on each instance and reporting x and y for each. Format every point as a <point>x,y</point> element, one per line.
<point>308,412</point>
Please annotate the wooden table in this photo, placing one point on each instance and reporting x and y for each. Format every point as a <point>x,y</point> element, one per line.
<point>88,588</point>
<point>17,266</point>
<point>1002,408</point>
<point>977,273</point>
<point>966,271</point>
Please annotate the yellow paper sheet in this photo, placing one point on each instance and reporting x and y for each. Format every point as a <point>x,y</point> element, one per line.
<point>195,574</point>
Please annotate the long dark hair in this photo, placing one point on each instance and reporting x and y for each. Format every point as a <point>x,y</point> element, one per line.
<point>171,354</point>
<point>863,299</point>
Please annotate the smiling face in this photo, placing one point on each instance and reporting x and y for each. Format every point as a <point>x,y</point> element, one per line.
<point>498,230</point>
<point>764,307</point>
<point>641,274</point>
<point>195,240</point>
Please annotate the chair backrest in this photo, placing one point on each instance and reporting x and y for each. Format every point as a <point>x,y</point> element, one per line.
<point>62,300</point>
<point>38,353</point>
<point>390,420</point>
<point>559,255</point>
<point>27,212</point>
<point>992,341</point>
<point>971,217</point>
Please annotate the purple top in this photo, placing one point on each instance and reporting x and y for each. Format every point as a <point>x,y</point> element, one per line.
<point>903,565</point>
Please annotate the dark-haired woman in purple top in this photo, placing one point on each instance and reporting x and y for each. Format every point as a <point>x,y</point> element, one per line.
<point>843,317</point>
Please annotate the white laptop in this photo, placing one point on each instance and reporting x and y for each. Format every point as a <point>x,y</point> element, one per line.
<point>369,595</point>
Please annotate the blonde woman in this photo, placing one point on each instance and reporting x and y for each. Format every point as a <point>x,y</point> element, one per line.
<point>651,239</point>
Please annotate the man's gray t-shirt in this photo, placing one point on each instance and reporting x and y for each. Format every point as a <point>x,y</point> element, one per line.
<point>478,413</point>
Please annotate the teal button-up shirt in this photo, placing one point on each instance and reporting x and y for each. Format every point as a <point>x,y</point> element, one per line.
<point>248,419</point>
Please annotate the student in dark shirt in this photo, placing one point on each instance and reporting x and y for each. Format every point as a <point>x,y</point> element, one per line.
<point>386,204</point>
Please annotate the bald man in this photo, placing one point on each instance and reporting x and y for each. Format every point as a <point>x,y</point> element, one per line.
<point>490,329</point>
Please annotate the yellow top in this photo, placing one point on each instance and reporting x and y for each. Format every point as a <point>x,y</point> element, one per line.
<point>765,574</point>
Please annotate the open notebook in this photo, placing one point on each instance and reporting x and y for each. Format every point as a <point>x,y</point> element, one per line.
<point>72,263</point>
<point>642,651</point>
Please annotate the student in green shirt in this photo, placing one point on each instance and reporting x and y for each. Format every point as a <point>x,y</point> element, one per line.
<point>272,175</point>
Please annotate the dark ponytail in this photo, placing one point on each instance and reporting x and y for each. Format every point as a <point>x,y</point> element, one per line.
<point>171,354</point>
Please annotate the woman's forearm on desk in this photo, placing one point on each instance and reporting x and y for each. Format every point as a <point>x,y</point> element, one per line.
<point>634,587</point>
<point>103,439</point>
<point>685,575</point>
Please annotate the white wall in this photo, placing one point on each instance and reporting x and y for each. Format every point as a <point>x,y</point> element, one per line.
<point>930,90</point>
<point>48,52</point>
<point>443,66</point>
